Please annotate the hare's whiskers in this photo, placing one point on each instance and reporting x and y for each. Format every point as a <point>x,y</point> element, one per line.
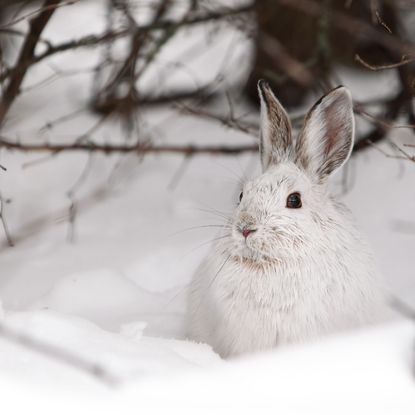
<point>199,227</point>
<point>214,212</point>
<point>206,243</point>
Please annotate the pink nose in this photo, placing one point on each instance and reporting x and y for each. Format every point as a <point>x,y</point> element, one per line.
<point>246,232</point>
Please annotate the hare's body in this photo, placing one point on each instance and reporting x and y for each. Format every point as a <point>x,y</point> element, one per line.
<point>238,306</point>
<point>290,265</point>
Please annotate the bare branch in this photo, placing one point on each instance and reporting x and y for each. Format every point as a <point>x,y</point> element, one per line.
<point>382,23</point>
<point>229,122</point>
<point>45,8</point>
<point>354,27</point>
<point>383,67</point>
<point>4,222</point>
<point>282,59</point>
<point>109,36</point>
<point>53,352</point>
<point>137,148</point>
<point>27,51</point>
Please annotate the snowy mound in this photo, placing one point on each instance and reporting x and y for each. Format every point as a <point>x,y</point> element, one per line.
<point>62,351</point>
<point>368,372</point>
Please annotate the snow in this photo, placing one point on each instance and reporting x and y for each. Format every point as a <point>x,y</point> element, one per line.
<point>123,355</point>
<point>363,372</point>
<point>115,295</point>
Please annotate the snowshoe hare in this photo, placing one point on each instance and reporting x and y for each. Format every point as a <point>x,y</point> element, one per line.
<point>290,265</point>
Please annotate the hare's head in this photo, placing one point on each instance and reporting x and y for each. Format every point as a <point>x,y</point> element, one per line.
<point>287,208</point>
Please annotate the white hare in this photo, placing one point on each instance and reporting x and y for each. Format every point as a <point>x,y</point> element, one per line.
<point>290,265</point>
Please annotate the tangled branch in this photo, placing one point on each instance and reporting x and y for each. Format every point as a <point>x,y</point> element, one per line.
<point>27,54</point>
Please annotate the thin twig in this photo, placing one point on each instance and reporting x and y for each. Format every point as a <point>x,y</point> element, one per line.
<point>382,22</point>
<point>9,238</point>
<point>26,55</point>
<point>59,354</point>
<point>383,67</point>
<point>71,193</point>
<point>379,121</point>
<point>111,35</point>
<point>353,26</point>
<point>179,173</point>
<point>138,148</point>
<point>403,152</point>
<point>402,307</point>
<point>230,122</point>
<point>45,8</point>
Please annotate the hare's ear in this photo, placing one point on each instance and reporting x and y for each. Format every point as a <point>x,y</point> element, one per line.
<point>275,144</point>
<point>326,140</point>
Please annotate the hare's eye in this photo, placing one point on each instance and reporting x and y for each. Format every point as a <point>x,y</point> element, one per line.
<point>294,201</point>
<point>241,196</point>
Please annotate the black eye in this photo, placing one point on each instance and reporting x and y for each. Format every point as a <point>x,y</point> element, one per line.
<point>294,201</point>
<point>241,196</point>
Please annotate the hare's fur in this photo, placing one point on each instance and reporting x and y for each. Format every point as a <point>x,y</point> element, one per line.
<point>302,272</point>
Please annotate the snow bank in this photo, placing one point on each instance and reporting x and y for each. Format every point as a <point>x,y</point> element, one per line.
<point>360,372</point>
<point>367,372</point>
<point>72,344</point>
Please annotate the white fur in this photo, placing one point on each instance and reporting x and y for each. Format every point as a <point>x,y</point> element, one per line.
<point>319,125</point>
<point>303,273</point>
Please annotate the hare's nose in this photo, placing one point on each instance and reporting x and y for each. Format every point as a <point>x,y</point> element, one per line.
<point>247,231</point>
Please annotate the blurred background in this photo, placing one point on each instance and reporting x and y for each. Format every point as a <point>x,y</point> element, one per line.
<point>127,127</point>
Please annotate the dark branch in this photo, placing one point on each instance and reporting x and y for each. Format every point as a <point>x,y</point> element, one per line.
<point>134,148</point>
<point>354,27</point>
<point>109,36</point>
<point>59,354</point>
<point>36,26</point>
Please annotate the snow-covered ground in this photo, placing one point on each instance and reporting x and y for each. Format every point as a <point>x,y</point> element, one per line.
<point>113,299</point>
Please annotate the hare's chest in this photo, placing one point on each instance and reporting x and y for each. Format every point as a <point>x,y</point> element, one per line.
<point>260,288</point>
<point>260,310</point>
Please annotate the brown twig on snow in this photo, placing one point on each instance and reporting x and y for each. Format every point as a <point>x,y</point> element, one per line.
<point>382,126</point>
<point>112,35</point>
<point>379,121</point>
<point>27,53</point>
<point>228,122</point>
<point>28,229</point>
<point>402,307</point>
<point>203,93</point>
<point>124,104</point>
<point>73,204</point>
<point>403,152</point>
<point>9,238</point>
<point>45,8</point>
<point>59,354</point>
<point>383,67</point>
<point>137,148</point>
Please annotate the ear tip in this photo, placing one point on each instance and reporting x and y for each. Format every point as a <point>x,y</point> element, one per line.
<point>338,95</point>
<point>262,83</point>
<point>341,89</point>
<point>262,87</point>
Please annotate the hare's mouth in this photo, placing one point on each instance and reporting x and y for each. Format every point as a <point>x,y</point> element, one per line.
<point>246,246</point>
<point>248,253</point>
<point>255,260</point>
<point>258,250</point>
